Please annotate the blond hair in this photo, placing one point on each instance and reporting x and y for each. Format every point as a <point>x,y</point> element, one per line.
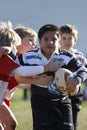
<point>8,37</point>
<point>24,31</point>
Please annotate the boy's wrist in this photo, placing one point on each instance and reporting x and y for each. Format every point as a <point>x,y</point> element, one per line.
<point>78,80</point>
<point>46,68</point>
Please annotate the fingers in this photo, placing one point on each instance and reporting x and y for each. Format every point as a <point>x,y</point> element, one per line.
<point>54,66</point>
<point>45,80</point>
<point>4,51</point>
<point>71,86</point>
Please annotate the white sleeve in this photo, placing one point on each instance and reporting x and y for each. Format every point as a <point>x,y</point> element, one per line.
<point>3,87</point>
<point>28,70</point>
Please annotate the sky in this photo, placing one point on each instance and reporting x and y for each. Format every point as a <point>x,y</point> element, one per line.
<point>35,13</point>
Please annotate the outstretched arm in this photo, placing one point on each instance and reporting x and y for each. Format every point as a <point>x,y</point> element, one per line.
<point>35,70</point>
<point>31,70</point>
<point>41,80</point>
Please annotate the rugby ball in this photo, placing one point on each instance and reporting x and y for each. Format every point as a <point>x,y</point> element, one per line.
<point>61,77</point>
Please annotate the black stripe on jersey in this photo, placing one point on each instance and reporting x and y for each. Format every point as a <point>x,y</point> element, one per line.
<point>81,75</point>
<point>86,65</point>
<point>73,65</point>
<point>21,60</point>
<point>36,50</point>
<point>12,55</point>
<point>20,57</point>
<point>66,53</point>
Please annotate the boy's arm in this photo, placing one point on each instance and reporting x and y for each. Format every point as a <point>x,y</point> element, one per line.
<point>41,80</point>
<point>80,77</point>
<point>28,70</point>
<point>35,70</point>
<point>8,65</point>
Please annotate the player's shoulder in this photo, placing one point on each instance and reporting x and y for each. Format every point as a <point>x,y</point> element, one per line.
<point>29,53</point>
<point>65,53</point>
<point>35,50</point>
<point>76,51</point>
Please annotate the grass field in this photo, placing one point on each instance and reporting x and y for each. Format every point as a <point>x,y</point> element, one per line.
<point>23,113</point>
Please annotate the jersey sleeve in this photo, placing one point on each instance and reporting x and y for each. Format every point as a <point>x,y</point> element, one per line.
<point>28,70</point>
<point>73,64</point>
<point>12,83</point>
<point>29,65</point>
<point>7,64</point>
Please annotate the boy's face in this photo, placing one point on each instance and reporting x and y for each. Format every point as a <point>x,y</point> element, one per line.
<point>48,43</point>
<point>66,41</point>
<point>27,44</point>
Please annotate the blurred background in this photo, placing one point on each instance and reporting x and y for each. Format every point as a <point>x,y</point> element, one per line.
<point>35,13</point>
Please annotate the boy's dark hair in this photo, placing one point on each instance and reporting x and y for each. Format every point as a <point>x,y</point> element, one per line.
<point>65,29</point>
<point>46,28</point>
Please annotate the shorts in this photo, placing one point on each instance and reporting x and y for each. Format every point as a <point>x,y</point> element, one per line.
<point>48,113</point>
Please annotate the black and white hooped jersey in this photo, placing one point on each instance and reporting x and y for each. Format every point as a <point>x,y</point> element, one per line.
<point>36,58</point>
<point>80,56</point>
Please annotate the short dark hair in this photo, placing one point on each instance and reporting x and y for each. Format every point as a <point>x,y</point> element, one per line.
<point>66,29</point>
<point>69,29</point>
<point>46,28</point>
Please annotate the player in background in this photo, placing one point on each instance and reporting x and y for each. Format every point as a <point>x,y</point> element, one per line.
<point>68,39</point>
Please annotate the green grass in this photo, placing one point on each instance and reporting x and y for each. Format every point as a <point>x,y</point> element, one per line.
<point>23,113</point>
<point>82,125</point>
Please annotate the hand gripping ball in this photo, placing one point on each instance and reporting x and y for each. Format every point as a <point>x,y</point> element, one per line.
<point>61,77</point>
